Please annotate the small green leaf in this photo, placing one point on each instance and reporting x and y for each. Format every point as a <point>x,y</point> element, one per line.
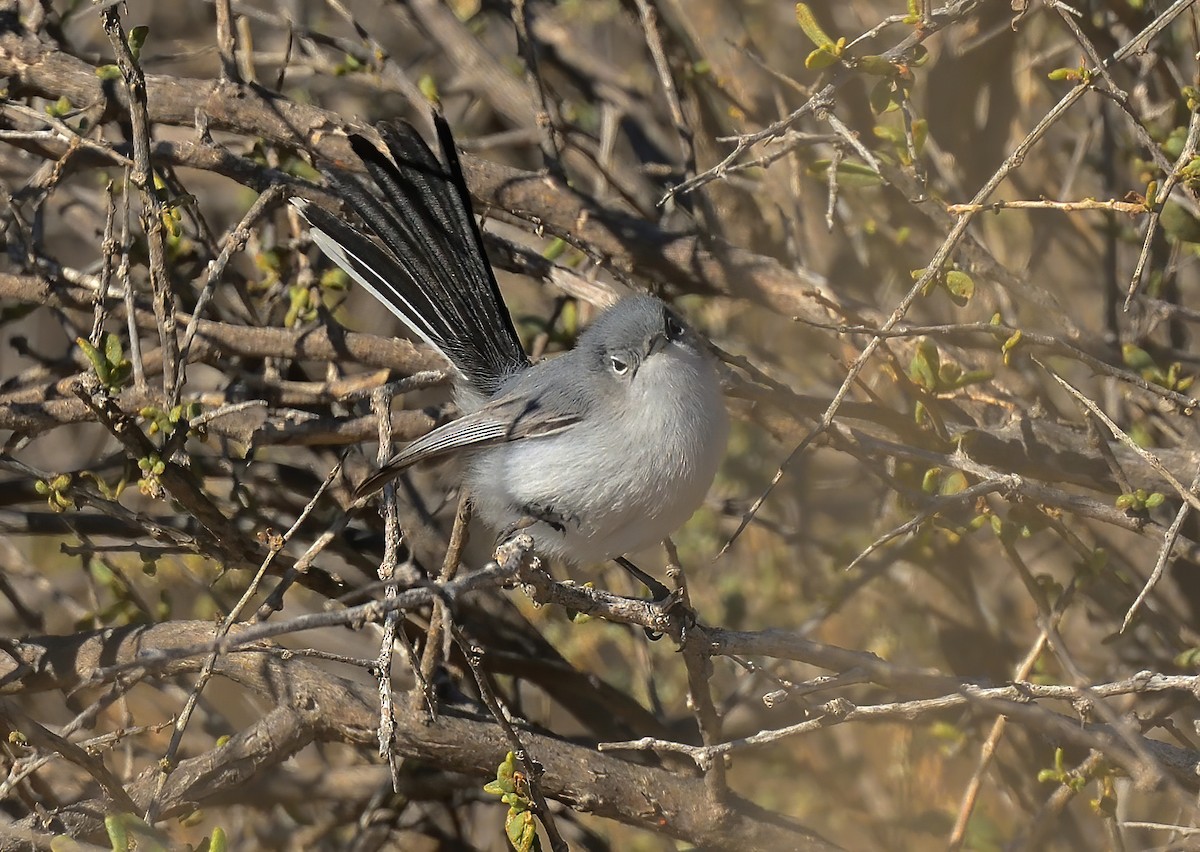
<point>556,248</point>
<point>1179,224</point>
<point>960,286</point>
<point>948,374</point>
<point>876,65</point>
<point>889,134</point>
<point>108,72</point>
<point>521,831</point>
<point>348,65</point>
<point>98,361</point>
<point>112,350</point>
<point>137,38</point>
<point>1010,344</point>
<point>848,174</point>
<point>1188,659</point>
<point>819,59</point>
<point>881,96</point>
<point>334,279</point>
<point>429,89</point>
<point>810,27</point>
<point>118,836</point>
<point>59,108</point>
<point>925,365</point>
<point>955,483</point>
<point>920,132</point>
<point>1136,358</point>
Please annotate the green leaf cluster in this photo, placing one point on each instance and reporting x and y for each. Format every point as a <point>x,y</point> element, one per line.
<point>513,789</point>
<point>1172,378</point>
<point>958,285</point>
<point>55,492</point>
<point>111,366</point>
<point>302,306</point>
<point>128,832</point>
<point>927,370</point>
<point>1059,774</point>
<point>167,421</point>
<point>1081,74</point>
<point>1140,501</point>
<point>828,51</point>
<point>152,467</point>
<point>1010,342</point>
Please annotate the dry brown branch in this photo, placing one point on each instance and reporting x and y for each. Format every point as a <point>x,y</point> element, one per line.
<point>966,612</point>
<point>314,705</point>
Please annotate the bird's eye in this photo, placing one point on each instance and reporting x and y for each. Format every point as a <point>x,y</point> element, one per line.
<point>674,327</point>
<point>619,367</point>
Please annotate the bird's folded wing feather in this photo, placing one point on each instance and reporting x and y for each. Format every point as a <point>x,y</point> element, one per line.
<point>500,421</point>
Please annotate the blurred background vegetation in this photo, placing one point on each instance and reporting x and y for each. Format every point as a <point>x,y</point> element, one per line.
<point>785,175</point>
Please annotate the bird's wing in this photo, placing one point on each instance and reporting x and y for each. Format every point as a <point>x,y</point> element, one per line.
<point>500,421</point>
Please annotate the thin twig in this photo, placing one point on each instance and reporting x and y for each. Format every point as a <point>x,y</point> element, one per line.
<point>1133,208</point>
<point>549,140</point>
<point>687,141</point>
<point>698,663</point>
<point>941,257</point>
<point>235,241</point>
<point>226,45</point>
<point>935,505</point>
<point>135,340</point>
<point>438,636</point>
<point>1120,434</point>
<point>276,544</point>
<point>1012,700</point>
<point>153,209</point>
<point>1174,176</point>
<point>533,770</point>
<point>381,404</point>
<point>1164,554</point>
<point>108,250</point>
<point>988,750</point>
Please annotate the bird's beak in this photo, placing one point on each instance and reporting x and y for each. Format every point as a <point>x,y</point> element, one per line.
<point>657,343</point>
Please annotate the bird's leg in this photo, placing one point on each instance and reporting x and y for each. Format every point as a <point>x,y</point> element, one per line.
<point>531,515</point>
<point>667,599</point>
<point>512,529</point>
<point>658,590</point>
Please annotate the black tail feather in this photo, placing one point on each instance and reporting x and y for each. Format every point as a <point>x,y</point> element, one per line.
<point>432,271</point>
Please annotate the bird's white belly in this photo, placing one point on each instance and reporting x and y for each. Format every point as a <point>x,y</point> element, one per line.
<point>614,486</point>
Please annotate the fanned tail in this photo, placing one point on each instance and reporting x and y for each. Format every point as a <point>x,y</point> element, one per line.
<point>429,267</point>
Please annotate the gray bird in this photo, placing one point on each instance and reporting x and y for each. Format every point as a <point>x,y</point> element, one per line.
<point>598,452</point>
